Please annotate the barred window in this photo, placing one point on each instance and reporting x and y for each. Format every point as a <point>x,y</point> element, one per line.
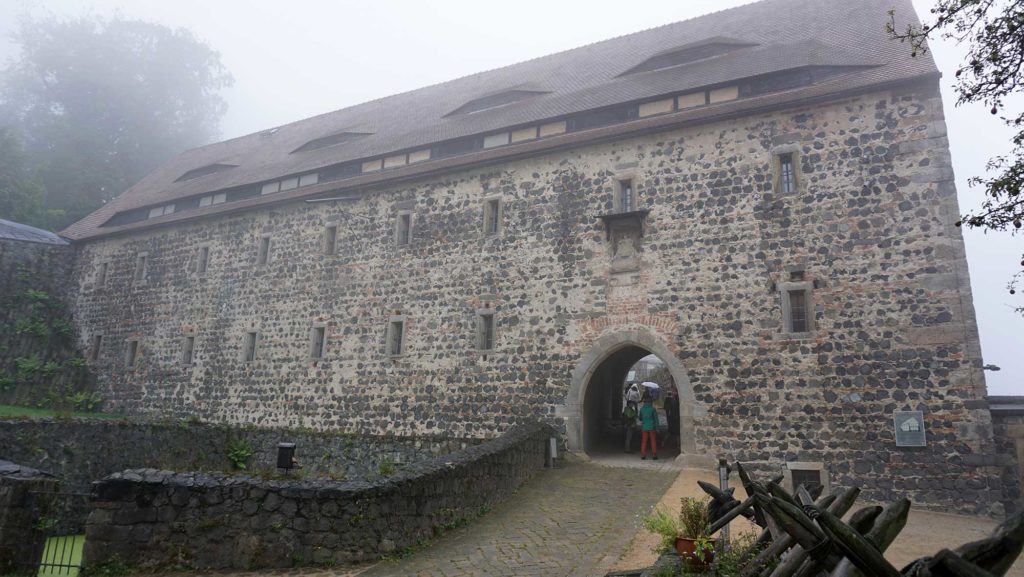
<point>626,203</point>
<point>787,177</point>
<point>798,311</point>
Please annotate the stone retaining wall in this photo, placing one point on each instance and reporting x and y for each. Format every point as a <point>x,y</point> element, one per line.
<point>80,451</point>
<point>159,518</point>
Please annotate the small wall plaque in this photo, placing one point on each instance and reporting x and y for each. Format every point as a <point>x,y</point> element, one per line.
<point>909,428</point>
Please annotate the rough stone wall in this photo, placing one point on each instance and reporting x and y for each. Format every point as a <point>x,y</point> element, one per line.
<point>38,347</point>
<point>871,224</point>
<point>158,518</point>
<point>81,451</point>
<point>21,543</point>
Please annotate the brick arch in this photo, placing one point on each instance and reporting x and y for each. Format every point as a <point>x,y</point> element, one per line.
<point>599,352</point>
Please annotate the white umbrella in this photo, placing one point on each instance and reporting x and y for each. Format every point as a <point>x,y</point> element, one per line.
<point>653,389</point>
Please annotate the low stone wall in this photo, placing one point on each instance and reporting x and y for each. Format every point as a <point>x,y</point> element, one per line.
<point>159,518</point>
<point>80,451</point>
<point>20,541</point>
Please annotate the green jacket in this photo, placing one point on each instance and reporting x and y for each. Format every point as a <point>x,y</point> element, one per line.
<point>648,417</point>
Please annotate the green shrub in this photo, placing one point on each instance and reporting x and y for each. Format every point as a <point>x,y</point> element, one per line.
<point>31,326</point>
<point>386,466</point>
<point>27,367</point>
<point>239,451</point>
<point>742,549</point>
<point>75,363</point>
<point>50,369</point>
<point>83,401</point>
<point>665,524</point>
<point>63,327</point>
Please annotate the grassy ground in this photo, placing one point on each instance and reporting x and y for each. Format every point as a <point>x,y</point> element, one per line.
<point>13,411</point>
<point>62,551</point>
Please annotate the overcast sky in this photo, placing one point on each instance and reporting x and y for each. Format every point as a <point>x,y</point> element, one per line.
<point>295,59</point>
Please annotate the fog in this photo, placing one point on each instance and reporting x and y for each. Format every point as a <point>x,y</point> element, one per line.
<point>296,59</point>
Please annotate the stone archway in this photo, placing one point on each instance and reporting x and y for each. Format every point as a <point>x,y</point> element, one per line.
<point>573,411</point>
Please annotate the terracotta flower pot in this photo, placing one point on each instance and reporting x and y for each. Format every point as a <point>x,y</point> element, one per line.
<point>687,549</point>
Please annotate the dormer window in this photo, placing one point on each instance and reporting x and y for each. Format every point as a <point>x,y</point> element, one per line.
<point>331,140</point>
<point>686,54</point>
<point>205,170</point>
<point>495,100</point>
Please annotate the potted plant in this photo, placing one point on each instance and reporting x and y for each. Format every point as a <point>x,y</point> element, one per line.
<point>694,544</point>
<point>687,533</point>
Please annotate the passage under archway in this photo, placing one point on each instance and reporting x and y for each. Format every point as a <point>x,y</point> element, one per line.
<point>604,428</point>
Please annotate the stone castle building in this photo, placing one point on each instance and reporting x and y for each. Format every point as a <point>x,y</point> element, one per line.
<point>762,197</point>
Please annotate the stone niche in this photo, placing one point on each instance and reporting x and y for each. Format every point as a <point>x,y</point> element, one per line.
<point>624,232</point>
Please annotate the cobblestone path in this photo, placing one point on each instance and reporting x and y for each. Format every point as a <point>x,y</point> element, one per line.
<point>571,521</point>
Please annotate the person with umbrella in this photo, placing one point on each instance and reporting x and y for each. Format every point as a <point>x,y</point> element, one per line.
<point>649,425</point>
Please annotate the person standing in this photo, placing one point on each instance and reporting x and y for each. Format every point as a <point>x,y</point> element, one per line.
<point>672,416</point>
<point>649,426</point>
<point>630,410</point>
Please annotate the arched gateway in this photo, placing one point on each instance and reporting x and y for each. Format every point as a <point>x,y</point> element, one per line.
<point>607,360</point>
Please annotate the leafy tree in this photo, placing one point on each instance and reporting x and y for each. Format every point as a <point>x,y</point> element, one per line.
<point>994,70</point>
<point>21,195</point>
<point>100,103</point>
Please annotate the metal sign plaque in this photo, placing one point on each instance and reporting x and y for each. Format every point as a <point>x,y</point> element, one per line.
<point>909,428</point>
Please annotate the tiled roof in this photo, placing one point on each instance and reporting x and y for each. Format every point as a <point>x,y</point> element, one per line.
<point>16,231</point>
<point>784,34</point>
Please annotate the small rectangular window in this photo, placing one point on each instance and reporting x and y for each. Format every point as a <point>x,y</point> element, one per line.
<point>331,239</point>
<point>396,330</point>
<point>492,216</point>
<point>404,233</point>
<point>317,342</point>
<point>798,311</point>
<point>249,346</point>
<point>188,345</point>
<point>101,275</point>
<point>485,331</point>
<point>141,266</point>
<point>271,187</point>
<point>263,254</point>
<point>202,259</point>
<point>787,176</point>
<point>796,276</point>
<point>810,478</point>
<point>626,195</point>
<point>309,179</point>
<point>289,183</point>
<point>95,348</point>
<point>131,353</point>
<point>161,210</point>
